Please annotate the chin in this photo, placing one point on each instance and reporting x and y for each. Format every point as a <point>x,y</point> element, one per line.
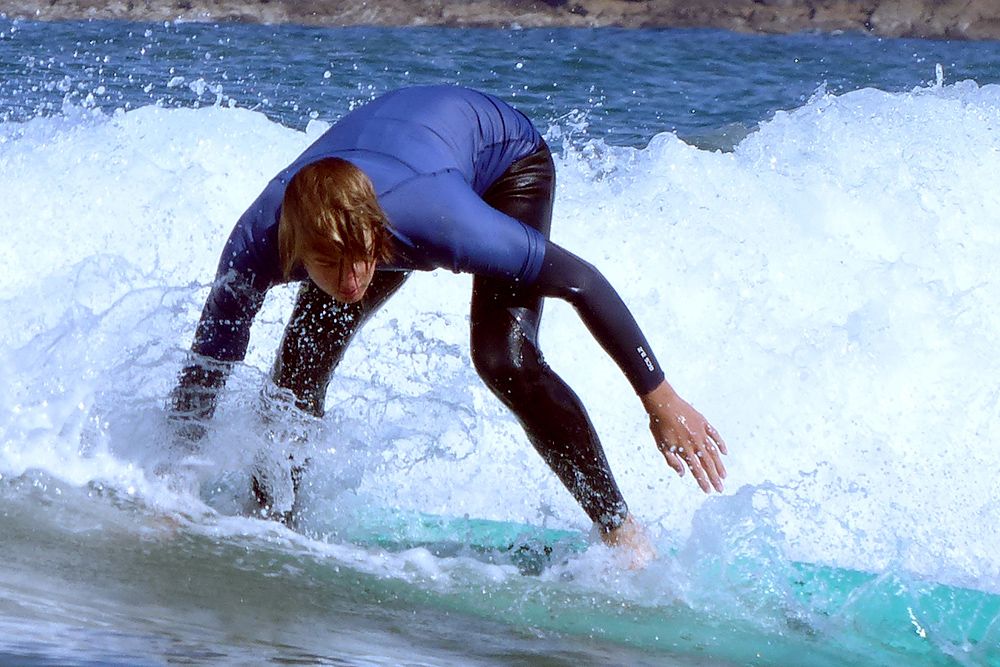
<point>354,297</point>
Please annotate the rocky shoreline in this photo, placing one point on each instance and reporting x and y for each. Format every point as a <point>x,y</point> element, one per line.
<point>932,19</point>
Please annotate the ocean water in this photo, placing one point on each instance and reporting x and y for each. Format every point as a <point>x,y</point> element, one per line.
<point>806,227</point>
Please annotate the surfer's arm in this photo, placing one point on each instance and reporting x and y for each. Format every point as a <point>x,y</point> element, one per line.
<point>566,276</point>
<point>478,239</point>
<point>682,434</point>
<point>220,340</point>
<point>248,267</point>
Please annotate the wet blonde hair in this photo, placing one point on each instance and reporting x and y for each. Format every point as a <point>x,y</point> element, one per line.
<point>330,208</point>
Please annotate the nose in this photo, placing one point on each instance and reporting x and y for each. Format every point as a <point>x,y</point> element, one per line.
<point>354,275</point>
<point>352,281</point>
<point>349,280</point>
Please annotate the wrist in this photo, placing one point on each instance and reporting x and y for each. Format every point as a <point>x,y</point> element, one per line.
<point>663,394</point>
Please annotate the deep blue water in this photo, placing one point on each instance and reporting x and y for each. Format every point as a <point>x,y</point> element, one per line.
<point>630,84</point>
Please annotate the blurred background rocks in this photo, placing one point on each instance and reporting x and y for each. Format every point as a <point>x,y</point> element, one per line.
<point>935,19</point>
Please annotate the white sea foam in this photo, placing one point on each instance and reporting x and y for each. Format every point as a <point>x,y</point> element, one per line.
<point>826,294</point>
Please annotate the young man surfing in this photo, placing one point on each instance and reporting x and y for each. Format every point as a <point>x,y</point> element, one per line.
<point>425,178</point>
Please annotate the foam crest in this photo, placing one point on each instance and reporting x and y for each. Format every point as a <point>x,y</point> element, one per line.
<point>825,295</point>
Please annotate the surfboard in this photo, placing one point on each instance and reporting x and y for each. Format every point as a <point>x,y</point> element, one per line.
<point>861,613</point>
<point>930,611</point>
<point>529,548</point>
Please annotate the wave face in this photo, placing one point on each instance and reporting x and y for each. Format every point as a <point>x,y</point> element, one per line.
<point>826,293</point>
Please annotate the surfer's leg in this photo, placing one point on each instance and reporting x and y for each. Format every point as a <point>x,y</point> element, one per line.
<point>314,342</point>
<point>505,351</point>
<point>506,355</point>
<point>318,334</point>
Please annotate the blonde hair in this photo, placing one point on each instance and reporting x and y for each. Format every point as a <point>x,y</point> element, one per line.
<point>330,208</point>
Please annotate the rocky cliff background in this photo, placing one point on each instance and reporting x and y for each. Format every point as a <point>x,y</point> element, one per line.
<point>936,19</point>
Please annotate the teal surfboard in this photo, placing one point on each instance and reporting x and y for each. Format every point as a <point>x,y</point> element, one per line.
<point>745,609</point>
<point>529,548</point>
<point>906,614</point>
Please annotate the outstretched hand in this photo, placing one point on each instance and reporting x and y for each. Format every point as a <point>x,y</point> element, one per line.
<point>685,437</point>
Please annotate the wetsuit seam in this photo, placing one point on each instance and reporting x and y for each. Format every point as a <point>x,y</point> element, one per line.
<point>503,123</point>
<point>505,143</point>
<point>415,177</point>
<point>416,172</point>
<point>535,258</point>
<point>503,126</point>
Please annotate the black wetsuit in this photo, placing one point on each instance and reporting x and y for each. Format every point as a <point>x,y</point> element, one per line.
<point>467,184</point>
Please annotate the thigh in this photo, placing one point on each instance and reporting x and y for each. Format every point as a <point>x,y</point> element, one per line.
<point>503,313</point>
<point>526,190</point>
<point>504,320</point>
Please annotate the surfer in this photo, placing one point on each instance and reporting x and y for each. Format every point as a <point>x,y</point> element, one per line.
<point>419,179</point>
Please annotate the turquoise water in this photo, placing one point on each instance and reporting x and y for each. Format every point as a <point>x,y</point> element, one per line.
<point>805,227</point>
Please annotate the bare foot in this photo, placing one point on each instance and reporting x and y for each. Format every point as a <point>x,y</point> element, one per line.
<point>632,542</point>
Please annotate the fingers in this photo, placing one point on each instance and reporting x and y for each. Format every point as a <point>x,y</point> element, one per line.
<point>710,464</point>
<point>715,452</point>
<point>709,456</point>
<point>714,435</point>
<point>704,461</point>
<point>673,460</point>
<point>701,469</point>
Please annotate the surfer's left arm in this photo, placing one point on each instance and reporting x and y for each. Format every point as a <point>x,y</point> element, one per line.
<point>682,434</point>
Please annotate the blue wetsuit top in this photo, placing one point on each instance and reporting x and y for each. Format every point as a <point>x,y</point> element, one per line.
<point>431,152</point>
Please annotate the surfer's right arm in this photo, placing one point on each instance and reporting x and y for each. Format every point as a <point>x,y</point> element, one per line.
<point>220,341</point>
<point>247,268</point>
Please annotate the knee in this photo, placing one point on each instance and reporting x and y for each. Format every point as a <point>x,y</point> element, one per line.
<point>494,366</point>
<point>511,371</point>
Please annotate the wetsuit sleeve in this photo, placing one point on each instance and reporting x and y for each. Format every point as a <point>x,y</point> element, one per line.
<point>439,221</point>
<point>566,276</point>
<point>247,268</point>
<point>223,332</point>
<point>221,339</point>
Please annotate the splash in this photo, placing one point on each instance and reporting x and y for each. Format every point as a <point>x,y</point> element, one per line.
<point>825,293</point>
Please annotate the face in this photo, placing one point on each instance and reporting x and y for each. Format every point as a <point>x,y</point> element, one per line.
<point>345,281</point>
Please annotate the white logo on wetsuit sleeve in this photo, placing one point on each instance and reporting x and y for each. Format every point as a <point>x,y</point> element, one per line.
<point>645,357</point>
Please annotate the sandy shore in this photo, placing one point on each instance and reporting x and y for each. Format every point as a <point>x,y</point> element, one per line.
<point>935,19</point>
